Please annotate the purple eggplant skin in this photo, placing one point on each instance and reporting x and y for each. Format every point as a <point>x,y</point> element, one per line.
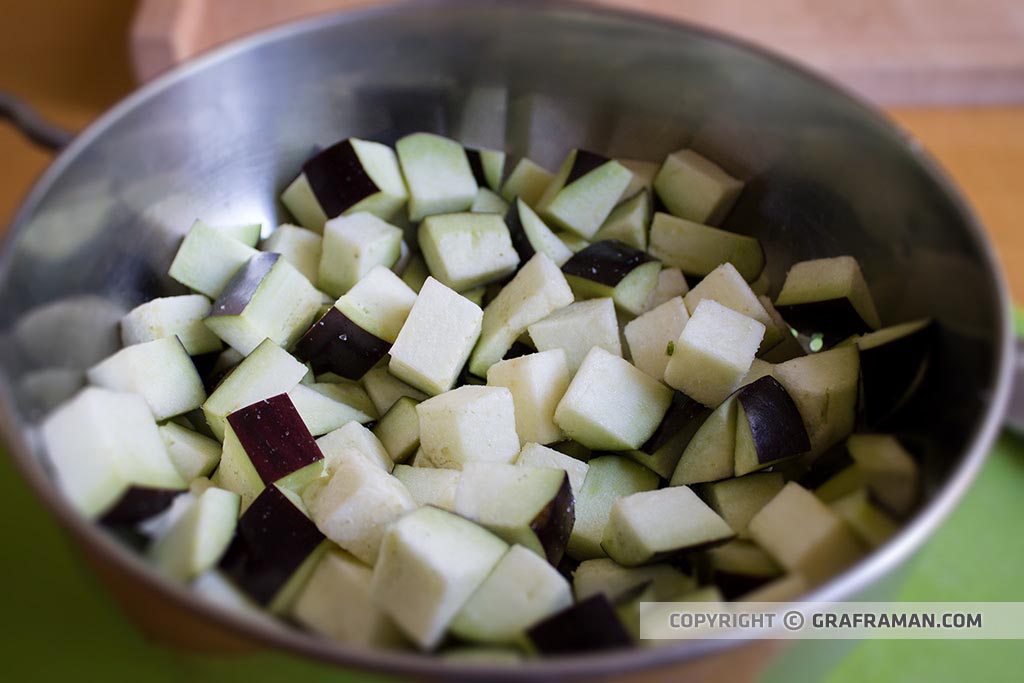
<point>888,372</point>
<point>584,163</point>
<point>554,523</point>
<point>590,625</point>
<point>273,539</point>
<point>139,503</point>
<point>274,437</point>
<point>477,166</point>
<point>338,179</point>
<point>683,413</point>
<point>241,288</point>
<point>774,420</point>
<point>833,319</point>
<point>607,262</point>
<point>520,242</point>
<point>336,344</point>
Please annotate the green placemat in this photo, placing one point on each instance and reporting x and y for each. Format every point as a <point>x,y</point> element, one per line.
<point>59,624</point>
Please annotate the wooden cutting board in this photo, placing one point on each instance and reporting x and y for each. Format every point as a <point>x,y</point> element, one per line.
<point>896,52</point>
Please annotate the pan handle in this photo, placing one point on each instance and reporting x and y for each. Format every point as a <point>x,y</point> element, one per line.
<point>32,124</point>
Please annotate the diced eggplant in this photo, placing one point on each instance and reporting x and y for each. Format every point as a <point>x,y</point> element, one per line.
<point>824,388</point>
<point>488,167</point>
<point>207,259</point>
<point>430,564</point>
<point>429,485</point>
<point>354,436</point>
<point>385,389</point>
<point>591,625</point>
<point>535,455</point>
<point>869,522</point>
<point>379,303</point>
<point>584,192</point>
<point>467,250</point>
<point>101,443</point>
<point>605,576</point>
<point>628,222</point>
<point>671,283</point>
<point>537,382</point>
<point>740,567</point>
<point>352,246</point>
<point>349,176</point>
<point>399,429</point>
<point>438,175</point>
<point>787,349</point>
<point>528,181</point>
<point>246,233</point>
<point>530,235</point>
<point>609,477</point>
<point>738,499</point>
<point>436,340</point>
<point>196,542</point>
<point>357,503</point>
<point>537,290</point>
<point>159,371</point>
<point>578,328</point>
<point>713,353</point>
<point>650,525</point>
<point>652,336</point>
<point>889,470</point>
<point>489,201</point>
<point>824,545</point>
<point>698,249</point>
<point>695,188</point>
<point>275,549</point>
<point>613,269</point>
<point>467,424</point>
<point>726,286</point>
<point>532,506</point>
<point>610,405</point>
<point>768,426</point>
<point>192,454</point>
<point>661,453</point>
<point>643,172</point>
<point>892,362</point>
<point>172,316</point>
<point>828,297</point>
<point>139,503</point>
<point>266,299</point>
<point>300,247</point>
<point>327,406</point>
<point>710,453</point>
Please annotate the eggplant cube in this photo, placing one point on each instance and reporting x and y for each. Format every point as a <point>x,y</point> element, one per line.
<point>353,245</point>
<point>430,486</point>
<point>662,452</point>
<point>349,176</point>
<point>469,423</point>
<point>353,436</point>
<point>532,506</point>
<point>357,504</point>
<point>584,192</point>
<point>605,576</point>
<point>208,258</point>
<point>536,291</point>
<point>698,249</point>
<point>327,406</point>
<point>102,442</point>
<point>385,389</point>
<point>267,299</point>
<point>172,316</point>
<point>768,426</point>
<point>649,525</point>
<point>275,550</point>
<point>591,625</point>
<point>489,201</point>
<point>829,297</point>
<point>696,189</point>
<point>609,477</point>
<point>613,269</point>
<point>710,454</point>
<point>535,455</point>
<point>628,222</point>
<point>652,336</point>
<point>430,564</point>
<point>341,579</point>
<point>467,250</point>
<point>488,167</point>
<point>889,470</point>
<point>713,353</point>
<point>738,499</point>
<point>824,545</point>
<point>671,283</point>
<point>298,246</point>
<point>198,539</point>
<point>610,405</point>
<point>527,181</point>
<point>436,340</point>
<point>530,235</point>
<point>399,429</point>
<point>537,382</point>
<point>337,344</point>
<point>159,371</point>
<point>267,371</point>
<point>267,442</point>
<point>726,286</point>
<point>824,388</point>
<point>577,328</point>
<point>520,591</point>
<point>193,454</point>
<point>438,175</point>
